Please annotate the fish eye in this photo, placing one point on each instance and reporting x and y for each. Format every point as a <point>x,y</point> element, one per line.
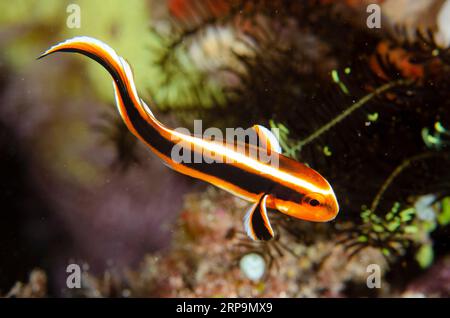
<point>313,199</point>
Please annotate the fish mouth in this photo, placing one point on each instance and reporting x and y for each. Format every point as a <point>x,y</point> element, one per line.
<point>333,208</point>
<point>330,218</point>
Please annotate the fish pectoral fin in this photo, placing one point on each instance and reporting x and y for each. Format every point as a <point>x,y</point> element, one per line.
<point>256,221</point>
<point>266,139</point>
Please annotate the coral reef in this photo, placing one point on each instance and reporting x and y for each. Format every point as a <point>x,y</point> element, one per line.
<point>434,283</point>
<point>36,287</point>
<point>205,260</point>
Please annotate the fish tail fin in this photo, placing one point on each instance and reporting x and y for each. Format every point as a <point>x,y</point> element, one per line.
<point>120,70</point>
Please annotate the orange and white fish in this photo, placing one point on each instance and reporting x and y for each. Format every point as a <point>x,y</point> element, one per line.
<point>290,187</point>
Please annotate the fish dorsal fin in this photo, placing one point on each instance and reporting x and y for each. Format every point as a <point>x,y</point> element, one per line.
<point>266,139</point>
<point>256,221</point>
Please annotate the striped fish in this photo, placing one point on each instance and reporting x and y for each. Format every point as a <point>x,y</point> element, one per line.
<point>289,187</point>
